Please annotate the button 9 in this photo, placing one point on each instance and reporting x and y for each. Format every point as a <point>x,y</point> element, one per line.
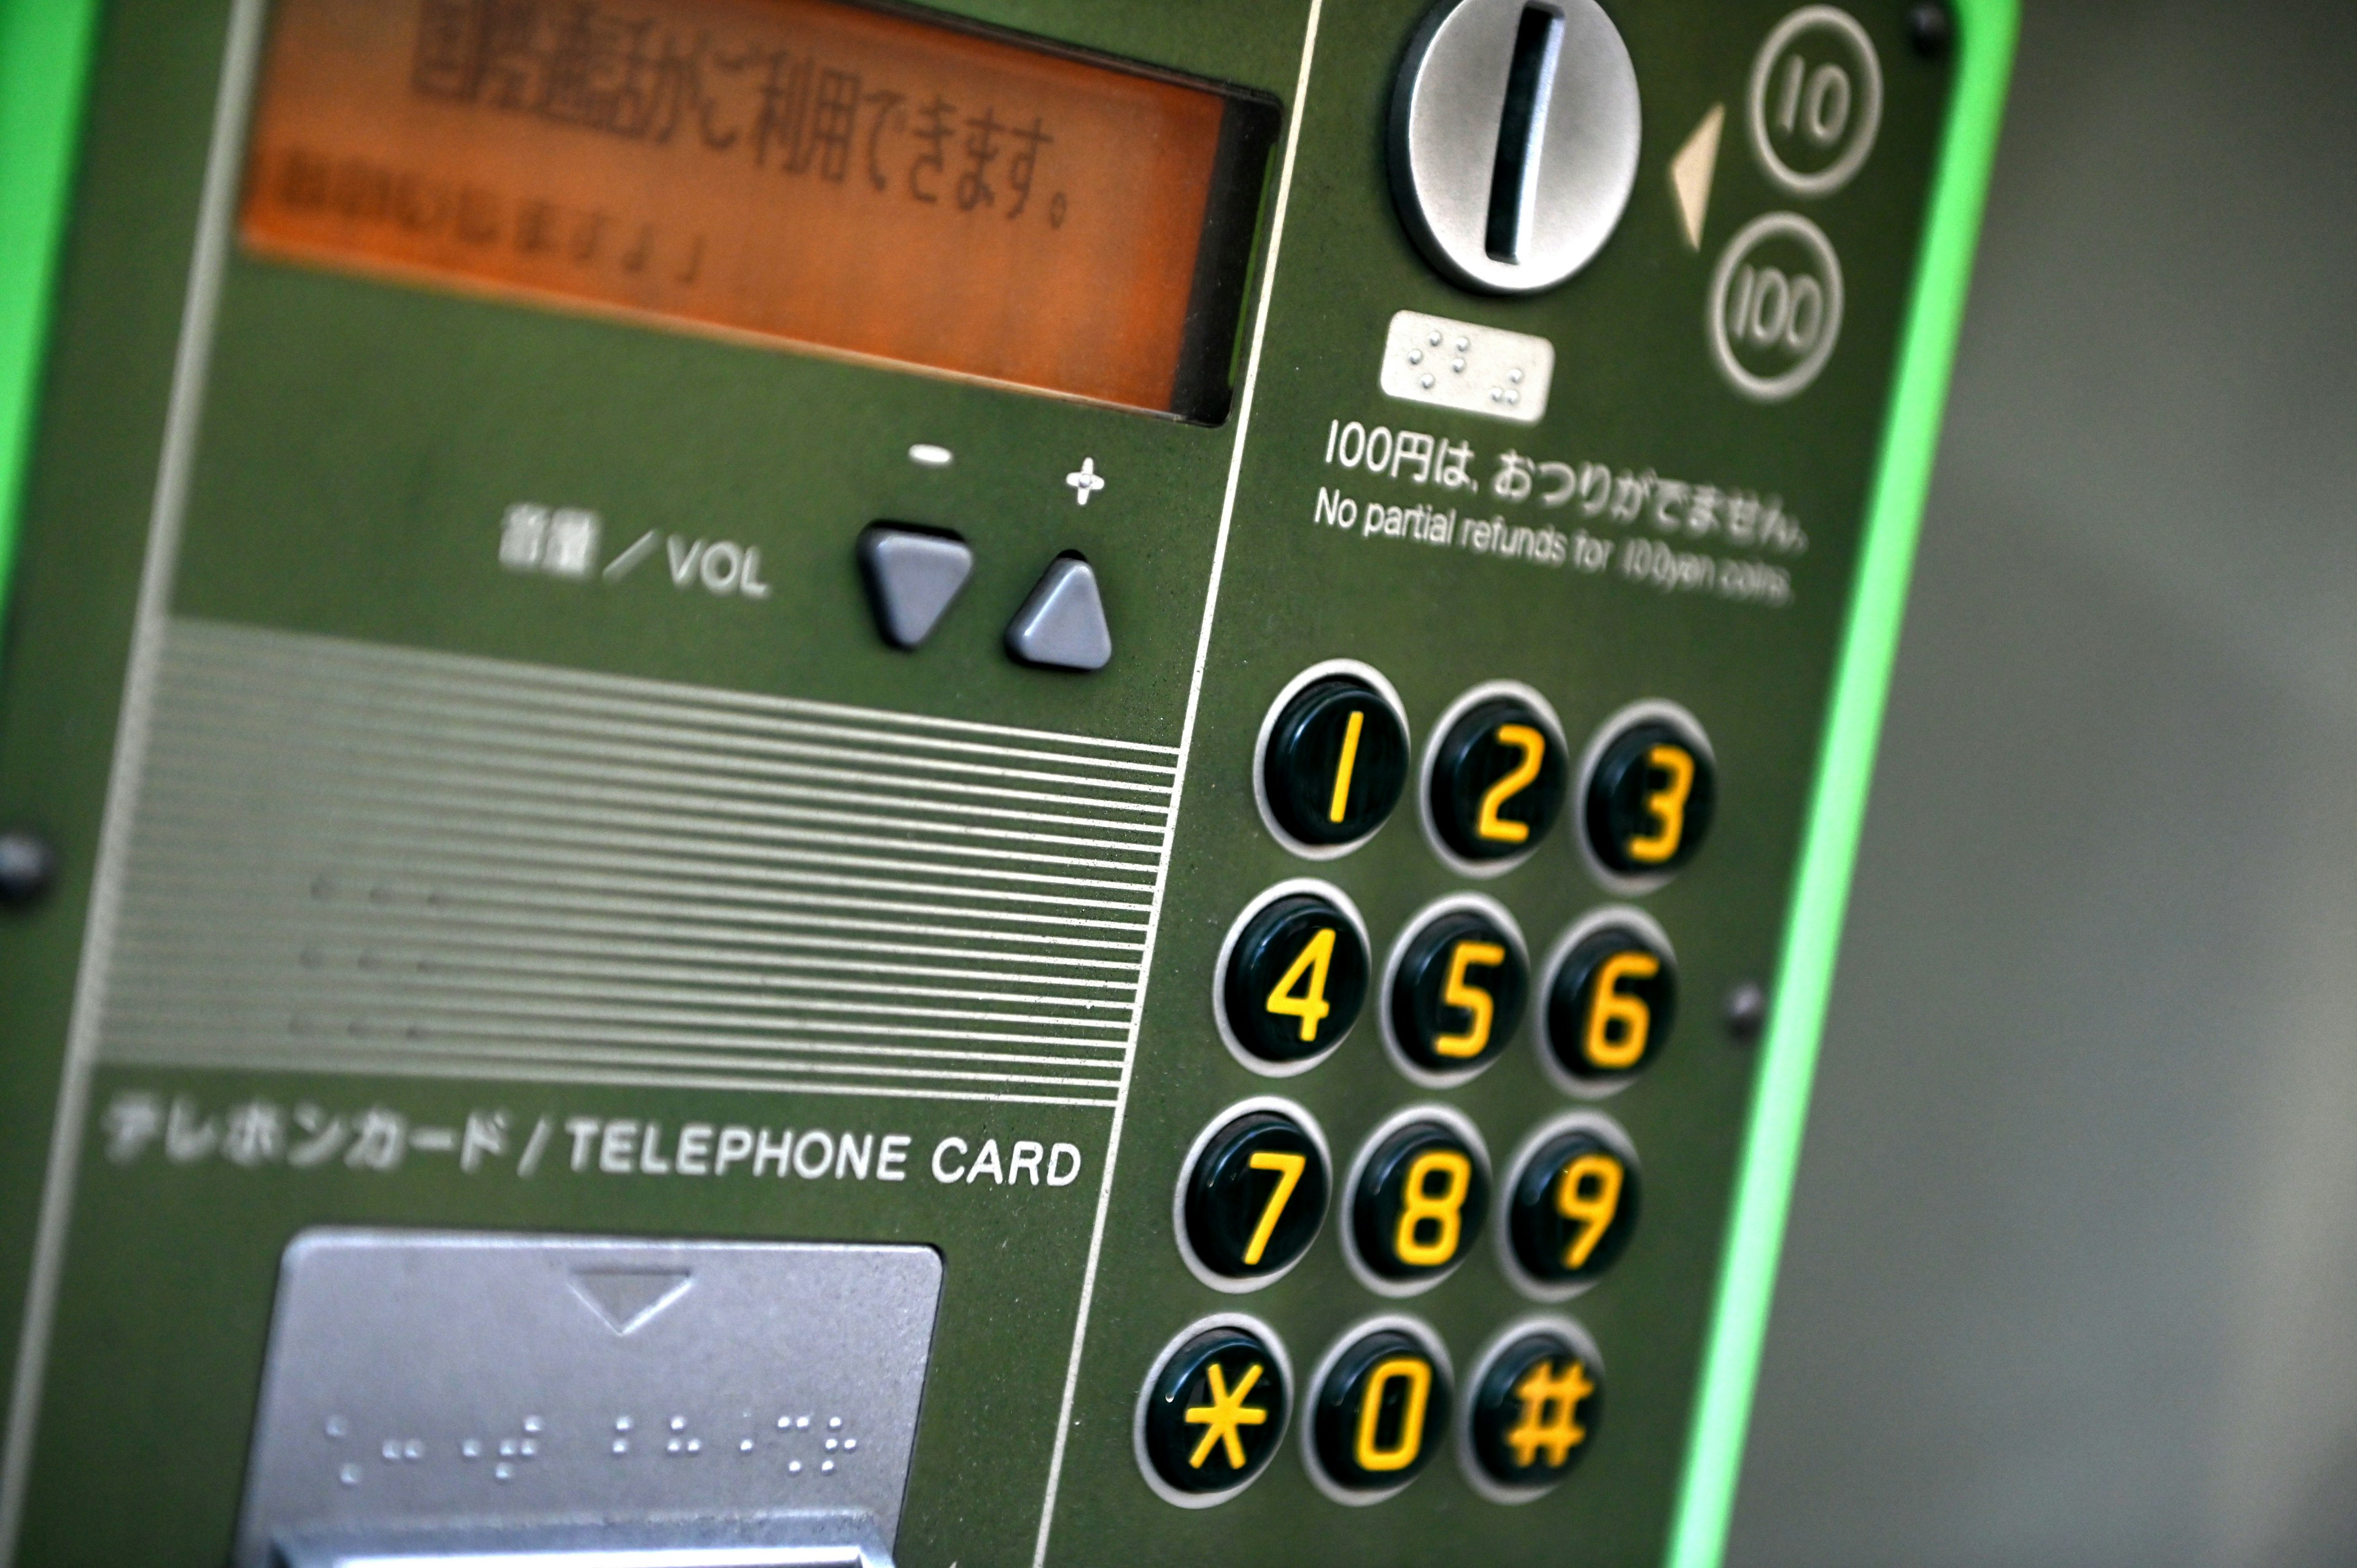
<point>1611,999</point>
<point>1254,1195</point>
<point>1648,795</point>
<point>1417,1200</point>
<point>1333,762</point>
<point>1498,779</point>
<point>1572,1205</point>
<point>1214,1412</point>
<point>1456,989</point>
<point>1295,977</point>
<point>1537,1402</point>
<point>1382,1407</point>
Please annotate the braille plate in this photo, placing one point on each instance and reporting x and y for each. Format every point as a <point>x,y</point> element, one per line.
<point>521,1381</point>
<point>1470,369</point>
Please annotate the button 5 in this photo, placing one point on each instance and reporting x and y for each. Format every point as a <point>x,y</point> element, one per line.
<point>1455,989</point>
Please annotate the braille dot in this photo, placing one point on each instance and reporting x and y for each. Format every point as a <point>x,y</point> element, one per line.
<point>1515,377</point>
<point>793,1468</point>
<point>1416,355</point>
<point>621,1423</point>
<point>1456,365</point>
<point>827,1466</point>
<point>801,1421</point>
<point>679,1423</point>
<point>503,1472</point>
<point>672,1447</point>
<point>392,1450</point>
<point>832,1445</point>
<point>338,1426</point>
<point>696,1446</point>
<point>1424,381</point>
<point>1463,344</point>
<point>471,1449</point>
<point>834,1423</point>
<point>621,1446</point>
<point>1434,340</point>
<point>528,1448</point>
<point>746,1447</point>
<point>849,1444</point>
<point>1497,394</point>
<point>1513,397</point>
<point>507,1448</point>
<point>784,1421</point>
<point>350,1475</point>
<point>531,1424</point>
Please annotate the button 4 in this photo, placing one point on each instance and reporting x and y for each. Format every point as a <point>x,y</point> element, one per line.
<point>1292,976</point>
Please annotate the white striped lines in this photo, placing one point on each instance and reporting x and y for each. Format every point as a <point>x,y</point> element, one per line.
<point>365,859</point>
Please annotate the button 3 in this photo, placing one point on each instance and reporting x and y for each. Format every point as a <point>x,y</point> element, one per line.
<point>1649,789</point>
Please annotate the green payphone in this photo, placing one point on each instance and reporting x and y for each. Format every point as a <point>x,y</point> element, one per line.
<point>1009,782</point>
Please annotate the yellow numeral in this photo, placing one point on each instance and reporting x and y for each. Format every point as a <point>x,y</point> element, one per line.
<point>1667,805</point>
<point>1342,769</point>
<point>1288,1169</point>
<point>1308,971</point>
<point>1441,1209</point>
<point>1589,1196</point>
<point>1472,998</point>
<point>1612,1006</point>
<point>1417,1373</point>
<point>1533,746</point>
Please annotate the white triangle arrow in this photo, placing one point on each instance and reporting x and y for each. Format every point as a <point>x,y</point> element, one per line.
<point>1691,171</point>
<point>628,1299</point>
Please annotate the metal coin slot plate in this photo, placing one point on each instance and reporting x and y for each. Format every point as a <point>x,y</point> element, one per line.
<point>732,1398</point>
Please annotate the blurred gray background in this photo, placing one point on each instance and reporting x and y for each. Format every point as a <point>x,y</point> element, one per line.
<point>2072,1270</point>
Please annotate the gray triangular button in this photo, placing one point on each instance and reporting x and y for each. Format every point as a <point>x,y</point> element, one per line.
<point>629,1299</point>
<point>1062,624</point>
<point>913,578</point>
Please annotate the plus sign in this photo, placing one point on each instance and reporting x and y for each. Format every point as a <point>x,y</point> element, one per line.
<point>1085,483</point>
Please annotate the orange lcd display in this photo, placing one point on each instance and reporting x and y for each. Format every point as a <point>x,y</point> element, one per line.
<point>873,181</point>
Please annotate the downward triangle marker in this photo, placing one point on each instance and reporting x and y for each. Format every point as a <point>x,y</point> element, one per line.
<point>628,1299</point>
<point>1691,171</point>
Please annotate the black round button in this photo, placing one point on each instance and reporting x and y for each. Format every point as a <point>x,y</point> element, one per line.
<point>1419,1202</point>
<point>1458,993</point>
<point>1215,1412</point>
<point>1295,979</point>
<point>1336,761</point>
<point>1573,1208</point>
<point>1256,1197</point>
<point>1497,780</point>
<point>1537,1408</point>
<point>1380,1412</point>
<point>1609,1009</point>
<point>1650,800</point>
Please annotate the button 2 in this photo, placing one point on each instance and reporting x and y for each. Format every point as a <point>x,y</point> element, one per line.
<point>1648,790</point>
<point>1381,1407</point>
<point>1333,760</point>
<point>1457,986</point>
<point>1254,1195</point>
<point>1535,1404</point>
<point>1571,1204</point>
<point>1293,976</point>
<point>1495,778</point>
<point>1418,1195</point>
<point>1611,998</point>
<point>1214,1413</point>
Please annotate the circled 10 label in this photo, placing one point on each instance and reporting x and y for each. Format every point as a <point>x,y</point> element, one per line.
<point>1816,100</point>
<point>1775,308</point>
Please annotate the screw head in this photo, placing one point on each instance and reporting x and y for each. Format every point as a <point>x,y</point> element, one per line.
<point>27,866</point>
<point>1746,1011</point>
<point>1931,29</point>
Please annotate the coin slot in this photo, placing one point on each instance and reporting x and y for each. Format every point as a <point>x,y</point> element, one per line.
<point>1530,84</point>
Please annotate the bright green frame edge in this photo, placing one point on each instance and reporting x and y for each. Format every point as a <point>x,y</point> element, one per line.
<point>44,60</point>
<point>44,64</point>
<point>1986,32</point>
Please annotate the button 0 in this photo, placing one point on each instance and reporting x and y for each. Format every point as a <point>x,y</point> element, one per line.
<point>1572,1204</point>
<point>1458,989</point>
<point>1334,762</point>
<point>1650,791</point>
<point>1293,980</point>
<point>1418,1201</point>
<point>1535,1405</point>
<point>1214,1412</point>
<point>913,576</point>
<point>1382,1407</point>
<point>1498,775</point>
<point>1611,999</point>
<point>1255,1195</point>
<point>1062,625</point>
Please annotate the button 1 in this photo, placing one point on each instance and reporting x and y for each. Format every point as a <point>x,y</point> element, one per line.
<point>1382,1408</point>
<point>1254,1195</point>
<point>1497,779</point>
<point>1611,1000</point>
<point>1295,975</point>
<point>1333,762</point>
<point>1417,1198</point>
<point>913,576</point>
<point>1649,792</point>
<point>1214,1412</point>
<point>1062,625</point>
<point>1572,1204</point>
<point>1459,981</point>
<point>1536,1403</point>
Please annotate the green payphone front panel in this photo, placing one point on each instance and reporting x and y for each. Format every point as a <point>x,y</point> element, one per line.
<point>1018,782</point>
